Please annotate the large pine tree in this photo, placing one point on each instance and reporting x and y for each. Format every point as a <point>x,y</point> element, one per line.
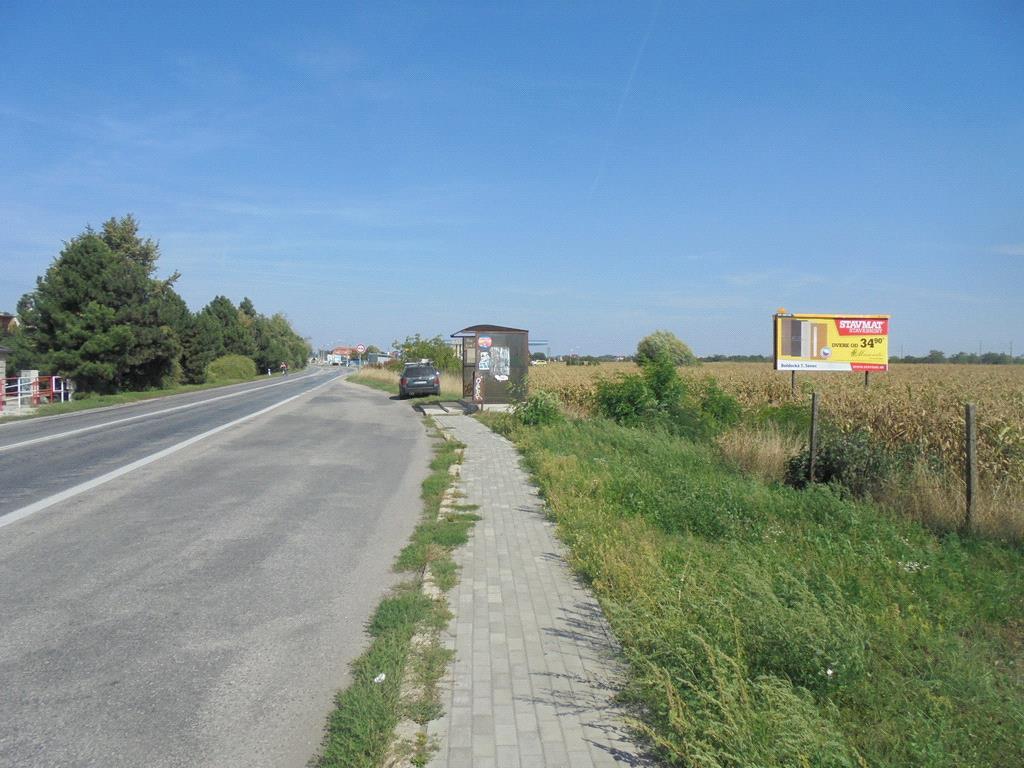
<point>99,317</point>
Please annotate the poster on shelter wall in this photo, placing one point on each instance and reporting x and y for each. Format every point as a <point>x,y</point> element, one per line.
<point>484,363</point>
<point>502,363</point>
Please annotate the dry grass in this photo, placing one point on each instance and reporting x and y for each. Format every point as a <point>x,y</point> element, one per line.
<point>911,405</point>
<point>763,451</point>
<point>939,502</point>
<point>920,405</point>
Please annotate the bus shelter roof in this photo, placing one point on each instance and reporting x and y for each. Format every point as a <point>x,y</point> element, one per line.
<point>473,330</point>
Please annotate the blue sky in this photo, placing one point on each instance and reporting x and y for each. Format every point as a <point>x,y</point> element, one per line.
<point>590,171</point>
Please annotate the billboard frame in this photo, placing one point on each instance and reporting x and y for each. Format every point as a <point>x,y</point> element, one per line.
<point>813,340</point>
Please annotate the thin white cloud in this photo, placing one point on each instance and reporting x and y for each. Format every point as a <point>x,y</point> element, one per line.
<point>1013,249</point>
<point>599,175</point>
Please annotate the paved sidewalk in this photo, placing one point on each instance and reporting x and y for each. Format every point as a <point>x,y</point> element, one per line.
<point>534,668</point>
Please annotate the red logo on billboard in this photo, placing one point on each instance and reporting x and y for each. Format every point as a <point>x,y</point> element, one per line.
<point>862,326</point>
<point>483,342</point>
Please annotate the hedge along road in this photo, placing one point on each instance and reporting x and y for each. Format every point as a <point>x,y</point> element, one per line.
<point>200,610</point>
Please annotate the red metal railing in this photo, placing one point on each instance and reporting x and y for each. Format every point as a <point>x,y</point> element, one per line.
<point>19,392</point>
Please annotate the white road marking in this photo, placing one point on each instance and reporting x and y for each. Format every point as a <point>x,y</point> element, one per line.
<point>57,498</point>
<point>104,425</point>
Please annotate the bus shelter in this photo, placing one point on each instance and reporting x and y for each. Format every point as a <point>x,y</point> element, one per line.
<point>495,360</point>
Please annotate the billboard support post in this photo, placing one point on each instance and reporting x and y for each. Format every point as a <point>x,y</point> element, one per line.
<point>866,374</point>
<point>792,383</point>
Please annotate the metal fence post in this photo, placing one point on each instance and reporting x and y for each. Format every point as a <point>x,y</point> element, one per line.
<point>814,437</point>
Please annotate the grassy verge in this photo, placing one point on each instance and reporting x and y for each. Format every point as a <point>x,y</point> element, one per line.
<point>769,626</point>
<point>404,645</point>
<point>771,444</point>
<point>87,401</point>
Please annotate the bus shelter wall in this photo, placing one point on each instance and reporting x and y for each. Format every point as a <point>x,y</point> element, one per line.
<point>496,388</point>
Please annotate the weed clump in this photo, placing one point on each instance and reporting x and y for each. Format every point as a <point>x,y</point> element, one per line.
<point>853,460</point>
<point>658,398</point>
<point>538,409</point>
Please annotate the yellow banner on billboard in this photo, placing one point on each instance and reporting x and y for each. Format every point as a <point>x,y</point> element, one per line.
<point>831,342</point>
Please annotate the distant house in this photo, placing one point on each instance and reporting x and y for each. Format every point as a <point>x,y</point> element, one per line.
<point>340,355</point>
<point>4,352</point>
<point>8,322</point>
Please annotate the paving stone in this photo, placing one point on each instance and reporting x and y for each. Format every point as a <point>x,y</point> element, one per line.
<point>535,667</point>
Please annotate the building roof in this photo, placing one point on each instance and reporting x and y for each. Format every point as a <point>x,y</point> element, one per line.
<point>473,330</point>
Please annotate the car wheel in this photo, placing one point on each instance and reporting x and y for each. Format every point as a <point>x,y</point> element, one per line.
<point>401,394</point>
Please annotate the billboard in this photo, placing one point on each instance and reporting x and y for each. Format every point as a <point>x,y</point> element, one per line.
<point>831,342</point>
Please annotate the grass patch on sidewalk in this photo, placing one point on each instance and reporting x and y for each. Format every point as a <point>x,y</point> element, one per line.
<point>766,626</point>
<point>360,730</point>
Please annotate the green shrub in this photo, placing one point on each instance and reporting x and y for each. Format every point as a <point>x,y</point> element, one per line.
<point>538,409</point>
<point>719,409</point>
<point>791,418</point>
<point>852,460</point>
<point>661,376</point>
<point>627,400</point>
<point>665,343</point>
<point>435,349</point>
<point>231,367</point>
<point>659,398</point>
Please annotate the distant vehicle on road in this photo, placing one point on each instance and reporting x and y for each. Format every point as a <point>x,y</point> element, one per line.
<point>419,379</point>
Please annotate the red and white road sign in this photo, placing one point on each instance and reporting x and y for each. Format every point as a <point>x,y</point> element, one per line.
<point>360,348</point>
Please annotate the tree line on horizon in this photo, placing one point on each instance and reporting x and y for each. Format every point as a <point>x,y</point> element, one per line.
<point>935,356</point>
<point>101,318</point>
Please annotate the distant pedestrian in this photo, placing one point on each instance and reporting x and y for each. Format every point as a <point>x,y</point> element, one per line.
<point>284,368</point>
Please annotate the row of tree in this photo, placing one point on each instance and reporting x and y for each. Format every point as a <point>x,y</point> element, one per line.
<point>100,317</point>
<point>970,358</point>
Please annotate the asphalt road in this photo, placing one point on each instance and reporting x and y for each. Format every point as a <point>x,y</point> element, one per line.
<point>201,609</point>
<point>40,457</point>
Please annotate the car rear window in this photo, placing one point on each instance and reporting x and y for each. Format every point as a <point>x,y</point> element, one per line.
<point>419,371</point>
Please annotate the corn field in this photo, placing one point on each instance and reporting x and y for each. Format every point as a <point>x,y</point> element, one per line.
<point>918,405</point>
